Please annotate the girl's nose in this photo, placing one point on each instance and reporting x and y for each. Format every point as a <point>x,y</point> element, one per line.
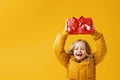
<point>79,49</point>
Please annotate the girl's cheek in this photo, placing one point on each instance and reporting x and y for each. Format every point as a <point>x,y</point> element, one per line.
<point>84,51</point>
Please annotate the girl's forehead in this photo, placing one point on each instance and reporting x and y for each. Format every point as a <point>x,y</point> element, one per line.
<point>80,44</point>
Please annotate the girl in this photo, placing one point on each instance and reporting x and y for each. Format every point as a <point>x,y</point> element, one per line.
<point>79,61</point>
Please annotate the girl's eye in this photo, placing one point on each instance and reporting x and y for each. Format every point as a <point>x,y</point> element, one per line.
<point>80,49</point>
<point>76,49</point>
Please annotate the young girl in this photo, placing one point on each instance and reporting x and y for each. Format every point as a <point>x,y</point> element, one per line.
<point>79,61</point>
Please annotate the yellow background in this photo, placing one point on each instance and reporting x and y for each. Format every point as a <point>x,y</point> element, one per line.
<point>28,29</point>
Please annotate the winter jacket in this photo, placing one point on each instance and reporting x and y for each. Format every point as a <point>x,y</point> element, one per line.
<point>86,69</point>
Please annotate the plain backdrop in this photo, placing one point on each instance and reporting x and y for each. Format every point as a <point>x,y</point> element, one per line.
<point>28,29</point>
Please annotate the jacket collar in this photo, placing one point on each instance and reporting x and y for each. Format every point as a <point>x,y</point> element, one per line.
<point>85,59</point>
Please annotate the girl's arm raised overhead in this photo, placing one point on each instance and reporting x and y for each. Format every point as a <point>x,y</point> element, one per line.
<point>100,45</point>
<point>59,50</point>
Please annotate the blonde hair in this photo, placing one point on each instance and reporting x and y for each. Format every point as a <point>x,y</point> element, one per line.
<point>71,49</point>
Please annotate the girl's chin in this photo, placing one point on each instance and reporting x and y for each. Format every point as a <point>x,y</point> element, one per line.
<point>80,58</point>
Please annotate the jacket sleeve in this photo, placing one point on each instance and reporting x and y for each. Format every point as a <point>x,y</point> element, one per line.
<point>101,47</point>
<point>58,47</point>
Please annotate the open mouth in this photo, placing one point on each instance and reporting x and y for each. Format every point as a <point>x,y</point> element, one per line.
<point>79,54</point>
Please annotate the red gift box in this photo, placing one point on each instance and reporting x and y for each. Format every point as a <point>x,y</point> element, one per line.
<point>80,26</point>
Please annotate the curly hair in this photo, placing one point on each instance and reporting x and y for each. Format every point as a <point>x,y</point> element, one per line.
<point>71,49</point>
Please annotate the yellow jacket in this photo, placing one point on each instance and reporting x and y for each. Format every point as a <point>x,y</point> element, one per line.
<point>84,70</point>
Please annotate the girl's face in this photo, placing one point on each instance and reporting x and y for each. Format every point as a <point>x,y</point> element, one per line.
<point>80,50</point>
